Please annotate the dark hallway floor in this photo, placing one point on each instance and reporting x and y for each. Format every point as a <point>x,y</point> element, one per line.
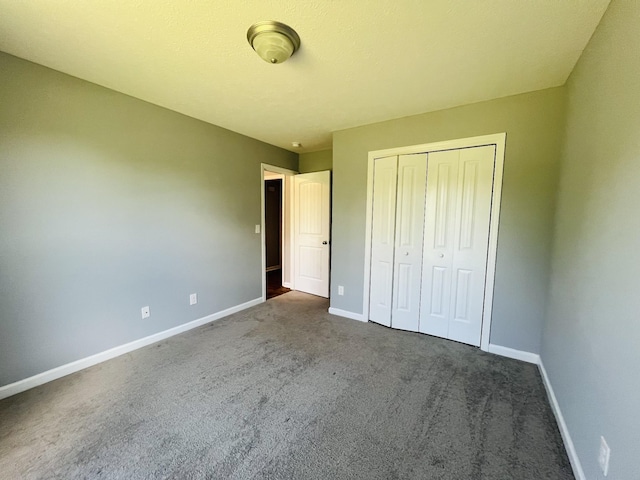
<point>274,284</point>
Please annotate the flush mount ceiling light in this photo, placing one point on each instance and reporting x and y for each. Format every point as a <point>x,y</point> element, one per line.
<point>273,41</point>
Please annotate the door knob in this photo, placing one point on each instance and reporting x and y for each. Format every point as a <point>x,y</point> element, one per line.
<point>324,242</point>
<point>441,255</point>
<point>406,254</point>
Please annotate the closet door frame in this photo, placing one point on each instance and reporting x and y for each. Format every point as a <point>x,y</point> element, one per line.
<point>499,140</point>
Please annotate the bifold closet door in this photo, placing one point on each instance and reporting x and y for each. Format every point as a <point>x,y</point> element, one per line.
<point>458,209</point>
<point>396,240</point>
<point>407,265</point>
<point>383,225</point>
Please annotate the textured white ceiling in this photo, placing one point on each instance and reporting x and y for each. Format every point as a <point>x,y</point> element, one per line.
<point>361,61</point>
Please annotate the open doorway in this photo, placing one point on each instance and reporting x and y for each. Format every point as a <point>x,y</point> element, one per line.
<point>274,233</point>
<point>296,226</point>
<point>276,238</point>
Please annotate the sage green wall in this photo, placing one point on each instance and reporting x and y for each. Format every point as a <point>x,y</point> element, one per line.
<point>534,124</point>
<point>316,161</point>
<point>591,341</point>
<point>108,204</point>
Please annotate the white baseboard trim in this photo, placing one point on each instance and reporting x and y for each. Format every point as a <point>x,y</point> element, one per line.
<point>562,426</point>
<point>555,407</point>
<point>564,430</point>
<point>513,353</point>
<point>58,372</point>
<point>287,285</point>
<point>347,314</point>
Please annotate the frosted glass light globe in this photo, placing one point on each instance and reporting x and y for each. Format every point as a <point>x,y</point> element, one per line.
<point>273,47</point>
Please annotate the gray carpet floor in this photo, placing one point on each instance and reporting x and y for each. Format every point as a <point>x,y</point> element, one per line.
<point>286,391</point>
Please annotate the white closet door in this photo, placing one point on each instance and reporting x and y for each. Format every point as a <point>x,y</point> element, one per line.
<point>459,188</point>
<point>385,172</point>
<point>473,214</point>
<point>442,179</point>
<point>407,267</point>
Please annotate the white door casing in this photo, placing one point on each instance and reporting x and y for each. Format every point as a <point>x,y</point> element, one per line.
<point>383,238</point>
<point>459,187</point>
<point>312,224</point>
<point>407,266</point>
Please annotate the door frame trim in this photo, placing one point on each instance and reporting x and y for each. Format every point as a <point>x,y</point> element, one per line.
<point>497,139</point>
<point>286,204</point>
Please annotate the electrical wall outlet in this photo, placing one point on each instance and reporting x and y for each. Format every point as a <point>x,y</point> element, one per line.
<point>603,456</point>
<point>193,299</point>
<point>146,313</point>
<point>340,290</point>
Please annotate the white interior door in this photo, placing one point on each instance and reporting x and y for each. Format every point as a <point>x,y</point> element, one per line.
<point>385,173</point>
<point>407,265</point>
<point>459,190</point>
<point>312,224</point>
<point>442,179</point>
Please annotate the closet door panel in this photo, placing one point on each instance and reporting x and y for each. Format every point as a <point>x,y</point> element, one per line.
<point>383,239</point>
<point>442,179</point>
<point>412,172</point>
<point>471,234</point>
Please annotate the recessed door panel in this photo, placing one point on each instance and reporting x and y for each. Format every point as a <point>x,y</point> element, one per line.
<point>442,208</point>
<point>311,268</point>
<point>403,302</point>
<point>468,204</point>
<point>310,208</point>
<point>438,289</point>
<point>461,294</point>
<point>381,290</point>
